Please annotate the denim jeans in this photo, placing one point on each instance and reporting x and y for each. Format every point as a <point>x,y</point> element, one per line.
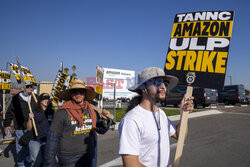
<point>36,150</point>
<point>22,152</point>
<point>94,160</point>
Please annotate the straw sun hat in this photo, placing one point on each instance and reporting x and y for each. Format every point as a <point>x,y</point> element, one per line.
<point>90,93</point>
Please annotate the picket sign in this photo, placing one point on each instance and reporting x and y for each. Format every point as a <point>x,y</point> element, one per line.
<point>197,53</point>
<point>183,128</point>
<point>4,103</point>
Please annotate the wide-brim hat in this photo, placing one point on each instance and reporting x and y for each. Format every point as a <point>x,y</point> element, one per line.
<point>90,93</point>
<point>153,73</point>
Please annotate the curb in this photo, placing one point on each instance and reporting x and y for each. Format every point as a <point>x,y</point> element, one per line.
<point>191,115</point>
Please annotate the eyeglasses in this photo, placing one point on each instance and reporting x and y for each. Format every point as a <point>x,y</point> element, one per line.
<point>28,86</point>
<point>76,91</point>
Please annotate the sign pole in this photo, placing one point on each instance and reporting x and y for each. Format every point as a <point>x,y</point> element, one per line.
<point>100,111</point>
<point>182,133</point>
<point>33,121</point>
<point>33,94</point>
<point>3,103</point>
<point>114,100</point>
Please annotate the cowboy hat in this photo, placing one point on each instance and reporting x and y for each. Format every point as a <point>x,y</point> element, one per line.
<point>90,93</point>
<point>153,73</point>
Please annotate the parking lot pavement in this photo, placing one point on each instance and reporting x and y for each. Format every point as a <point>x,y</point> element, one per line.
<point>7,158</point>
<point>220,140</point>
<point>236,109</point>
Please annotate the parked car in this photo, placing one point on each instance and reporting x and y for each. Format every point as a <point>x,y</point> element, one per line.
<point>202,96</point>
<point>232,94</point>
<point>123,99</point>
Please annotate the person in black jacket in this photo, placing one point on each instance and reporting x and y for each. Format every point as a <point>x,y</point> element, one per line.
<point>19,112</point>
<point>73,129</point>
<point>42,115</point>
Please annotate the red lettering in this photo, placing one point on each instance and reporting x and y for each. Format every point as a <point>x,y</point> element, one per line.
<point>118,83</point>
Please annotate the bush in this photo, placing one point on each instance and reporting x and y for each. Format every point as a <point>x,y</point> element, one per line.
<point>120,112</point>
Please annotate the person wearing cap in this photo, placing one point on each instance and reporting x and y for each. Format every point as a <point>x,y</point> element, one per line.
<point>18,111</point>
<point>145,129</point>
<point>73,128</point>
<point>43,115</point>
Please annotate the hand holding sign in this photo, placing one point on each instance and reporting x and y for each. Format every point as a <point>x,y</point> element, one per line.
<point>103,112</point>
<point>187,104</point>
<point>3,112</point>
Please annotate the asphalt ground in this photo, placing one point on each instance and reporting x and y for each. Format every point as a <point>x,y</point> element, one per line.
<point>220,140</point>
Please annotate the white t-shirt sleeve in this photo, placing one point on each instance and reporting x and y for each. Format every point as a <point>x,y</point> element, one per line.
<point>129,137</point>
<point>172,128</point>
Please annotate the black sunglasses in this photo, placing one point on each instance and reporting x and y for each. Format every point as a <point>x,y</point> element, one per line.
<point>29,86</point>
<point>76,91</point>
<point>157,82</point>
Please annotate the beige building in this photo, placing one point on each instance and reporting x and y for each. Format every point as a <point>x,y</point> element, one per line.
<point>45,87</point>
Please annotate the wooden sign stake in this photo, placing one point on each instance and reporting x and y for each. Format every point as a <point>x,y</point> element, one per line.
<point>33,94</point>
<point>33,121</point>
<point>4,103</point>
<point>183,129</point>
<point>100,111</point>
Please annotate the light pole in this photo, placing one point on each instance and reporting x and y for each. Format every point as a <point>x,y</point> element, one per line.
<point>114,101</point>
<point>230,77</point>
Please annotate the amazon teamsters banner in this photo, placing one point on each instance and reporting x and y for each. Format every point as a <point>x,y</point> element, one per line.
<point>99,80</point>
<point>62,82</point>
<point>27,74</point>
<point>199,46</point>
<point>5,81</point>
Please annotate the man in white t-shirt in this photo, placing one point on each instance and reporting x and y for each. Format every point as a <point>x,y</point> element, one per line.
<point>145,129</point>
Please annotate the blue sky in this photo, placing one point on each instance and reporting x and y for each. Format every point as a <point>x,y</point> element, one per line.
<point>131,34</point>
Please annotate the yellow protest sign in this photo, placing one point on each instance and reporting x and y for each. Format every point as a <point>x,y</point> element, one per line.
<point>27,74</point>
<point>5,80</point>
<point>198,48</point>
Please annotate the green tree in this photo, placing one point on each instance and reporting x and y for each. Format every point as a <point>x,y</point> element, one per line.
<point>74,75</point>
<point>66,70</point>
<point>247,91</point>
<point>73,68</point>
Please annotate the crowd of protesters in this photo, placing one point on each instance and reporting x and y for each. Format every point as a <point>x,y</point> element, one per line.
<point>67,137</point>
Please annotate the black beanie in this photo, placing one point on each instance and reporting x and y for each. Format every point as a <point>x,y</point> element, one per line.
<point>43,96</point>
